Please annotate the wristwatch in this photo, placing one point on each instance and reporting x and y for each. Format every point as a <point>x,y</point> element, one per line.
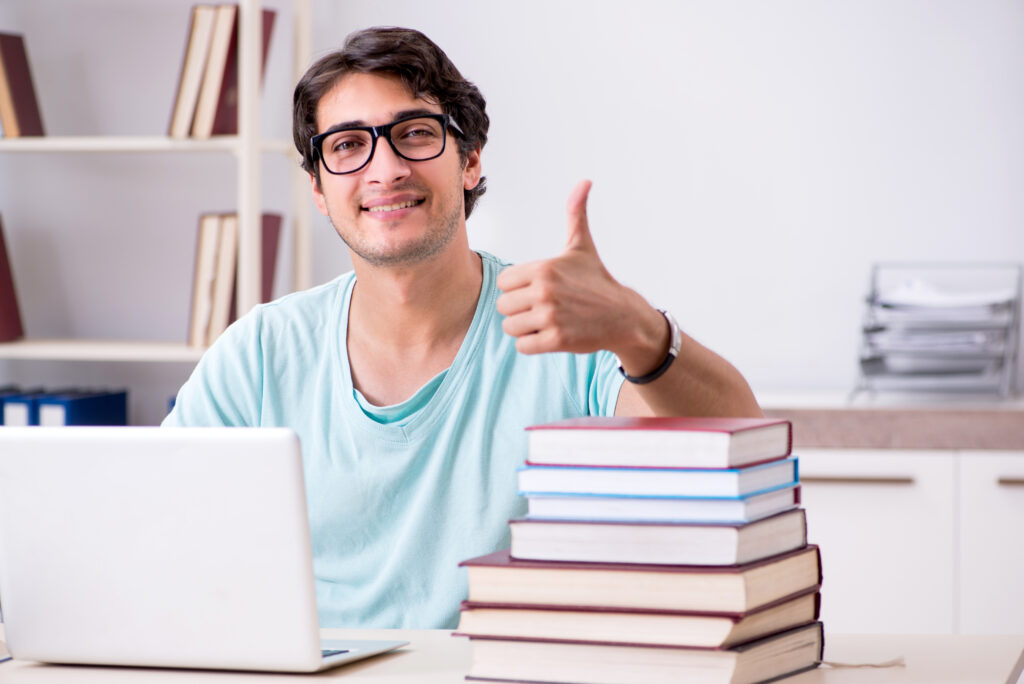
<point>674,344</point>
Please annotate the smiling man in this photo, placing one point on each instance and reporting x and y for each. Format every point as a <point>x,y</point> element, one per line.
<point>410,380</point>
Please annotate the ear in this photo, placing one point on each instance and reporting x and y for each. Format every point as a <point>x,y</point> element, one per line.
<point>318,195</point>
<point>471,172</point>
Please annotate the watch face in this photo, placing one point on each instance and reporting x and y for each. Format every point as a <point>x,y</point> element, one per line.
<point>676,340</point>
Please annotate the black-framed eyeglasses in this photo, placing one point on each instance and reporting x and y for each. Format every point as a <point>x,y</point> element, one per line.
<point>420,137</point>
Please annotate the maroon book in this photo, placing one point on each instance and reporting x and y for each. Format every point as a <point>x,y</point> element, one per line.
<point>499,578</point>
<point>225,120</point>
<point>271,239</point>
<point>677,442</point>
<point>21,117</point>
<point>10,314</point>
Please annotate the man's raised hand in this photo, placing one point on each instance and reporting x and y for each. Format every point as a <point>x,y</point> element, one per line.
<point>569,302</point>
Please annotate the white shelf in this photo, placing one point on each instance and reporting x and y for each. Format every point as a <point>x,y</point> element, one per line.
<point>100,350</point>
<point>247,149</point>
<point>134,144</point>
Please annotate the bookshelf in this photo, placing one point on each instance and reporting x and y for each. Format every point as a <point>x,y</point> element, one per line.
<point>247,150</point>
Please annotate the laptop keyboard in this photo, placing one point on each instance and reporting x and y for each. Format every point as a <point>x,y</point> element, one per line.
<point>328,653</point>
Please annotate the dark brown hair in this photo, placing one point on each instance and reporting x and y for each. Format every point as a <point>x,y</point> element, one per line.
<point>420,64</point>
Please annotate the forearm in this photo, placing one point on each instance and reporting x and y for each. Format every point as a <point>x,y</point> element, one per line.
<point>699,381</point>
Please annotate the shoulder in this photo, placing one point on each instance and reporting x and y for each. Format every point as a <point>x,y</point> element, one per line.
<point>312,305</point>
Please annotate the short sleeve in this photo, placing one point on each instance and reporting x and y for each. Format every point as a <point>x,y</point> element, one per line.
<point>225,389</point>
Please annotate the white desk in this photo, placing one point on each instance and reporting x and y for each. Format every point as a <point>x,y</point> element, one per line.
<point>435,657</point>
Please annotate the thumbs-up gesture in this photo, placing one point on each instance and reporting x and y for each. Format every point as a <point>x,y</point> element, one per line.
<point>572,303</point>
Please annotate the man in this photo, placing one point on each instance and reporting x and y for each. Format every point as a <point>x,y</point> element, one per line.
<point>410,381</point>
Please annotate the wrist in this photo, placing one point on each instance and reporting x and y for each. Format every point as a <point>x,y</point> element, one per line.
<point>655,349</point>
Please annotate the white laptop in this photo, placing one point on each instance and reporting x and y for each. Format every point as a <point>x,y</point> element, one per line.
<point>160,547</point>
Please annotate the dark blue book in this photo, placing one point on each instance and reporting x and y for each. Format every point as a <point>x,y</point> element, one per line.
<point>22,408</point>
<point>83,407</point>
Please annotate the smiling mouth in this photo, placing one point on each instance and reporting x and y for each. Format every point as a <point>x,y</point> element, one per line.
<point>393,207</point>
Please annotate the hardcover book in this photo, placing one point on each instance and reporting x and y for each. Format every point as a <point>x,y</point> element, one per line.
<point>634,627</point>
<point>216,110</point>
<point>85,407</point>
<point>499,578</point>
<point>197,47</point>
<point>723,482</point>
<point>763,660</point>
<point>679,442</point>
<point>10,314</point>
<point>664,508</point>
<point>594,541</point>
<point>19,108</point>
<point>203,274</point>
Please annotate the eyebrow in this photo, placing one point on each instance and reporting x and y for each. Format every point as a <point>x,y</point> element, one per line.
<point>359,123</point>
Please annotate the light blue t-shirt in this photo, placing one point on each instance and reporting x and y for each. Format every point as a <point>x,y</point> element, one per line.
<point>398,496</point>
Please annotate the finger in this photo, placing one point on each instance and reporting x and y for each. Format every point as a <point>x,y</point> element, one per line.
<point>515,277</point>
<point>515,302</point>
<point>579,227</point>
<point>526,323</point>
<point>540,342</point>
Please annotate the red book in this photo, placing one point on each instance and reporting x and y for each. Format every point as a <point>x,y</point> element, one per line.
<point>270,232</point>
<point>499,578</point>
<point>10,314</point>
<point>217,107</point>
<point>225,122</point>
<point>678,442</point>
<point>19,108</point>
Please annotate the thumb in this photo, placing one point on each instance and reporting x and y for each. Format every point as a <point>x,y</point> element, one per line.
<point>579,227</point>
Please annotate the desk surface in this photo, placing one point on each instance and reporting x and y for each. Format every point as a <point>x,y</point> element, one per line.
<point>436,657</point>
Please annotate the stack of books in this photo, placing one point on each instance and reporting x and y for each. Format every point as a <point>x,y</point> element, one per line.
<point>654,550</point>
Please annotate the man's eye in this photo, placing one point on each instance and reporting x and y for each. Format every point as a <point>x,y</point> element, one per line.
<point>344,145</point>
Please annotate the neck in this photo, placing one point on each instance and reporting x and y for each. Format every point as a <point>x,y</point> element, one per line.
<point>424,304</point>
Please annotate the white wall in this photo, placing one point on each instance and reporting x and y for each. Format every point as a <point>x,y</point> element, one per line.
<point>758,157</point>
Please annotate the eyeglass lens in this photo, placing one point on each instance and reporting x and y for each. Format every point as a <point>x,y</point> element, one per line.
<point>417,139</point>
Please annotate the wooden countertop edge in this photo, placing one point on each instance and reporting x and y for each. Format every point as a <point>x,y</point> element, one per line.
<point>911,428</point>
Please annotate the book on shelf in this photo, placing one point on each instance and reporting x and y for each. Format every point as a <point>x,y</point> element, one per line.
<point>215,273</point>
<point>216,111</point>
<point>678,442</point>
<point>197,47</point>
<point>13,392</point>
<point>270,234</point>
<point>710,629</point>
<point>763,660</point>
<point>590,541</point>
<point>11,327</point>
<point>499,578</point>
<point>84,407</point>
<point>657,481</point>
<point>745,508</point>
<point>203,273</point>
<point>22,408</point>
<point>19,107</point>
<point>224,277</point>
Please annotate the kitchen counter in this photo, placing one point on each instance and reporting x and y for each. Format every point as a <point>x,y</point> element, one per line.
<point>832,420</point>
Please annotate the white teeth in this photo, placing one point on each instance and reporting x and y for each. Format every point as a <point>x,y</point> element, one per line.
<point>394,207</point>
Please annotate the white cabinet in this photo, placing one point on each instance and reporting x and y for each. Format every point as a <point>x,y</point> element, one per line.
<point>991,531</point>
<point>918,541</point>
<point>883,520</point>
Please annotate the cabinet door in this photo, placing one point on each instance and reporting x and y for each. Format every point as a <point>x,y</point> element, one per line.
<point>884,521</point>
<point>992,542</point>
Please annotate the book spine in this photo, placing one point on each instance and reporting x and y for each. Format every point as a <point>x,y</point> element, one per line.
<point>14,58</point>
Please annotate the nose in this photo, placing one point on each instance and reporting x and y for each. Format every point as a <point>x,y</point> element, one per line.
<point>386,166</point>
